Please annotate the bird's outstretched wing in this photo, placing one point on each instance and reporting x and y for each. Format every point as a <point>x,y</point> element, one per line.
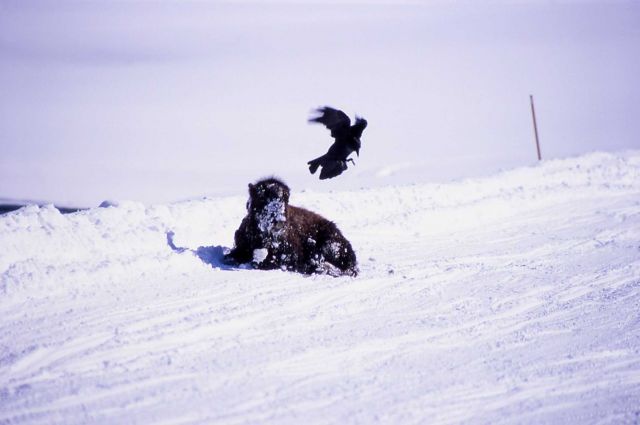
<point>359,126</point>
<point>335,120</point>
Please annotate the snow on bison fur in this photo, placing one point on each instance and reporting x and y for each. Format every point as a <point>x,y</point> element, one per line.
<point>276,235</point>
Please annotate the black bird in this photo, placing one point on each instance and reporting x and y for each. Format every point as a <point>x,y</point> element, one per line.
<point>347,136</point>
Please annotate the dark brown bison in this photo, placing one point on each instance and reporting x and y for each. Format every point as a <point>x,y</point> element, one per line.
<point>276,235</point>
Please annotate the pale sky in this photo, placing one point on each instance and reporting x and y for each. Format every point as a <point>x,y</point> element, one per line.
<point>164,100</point>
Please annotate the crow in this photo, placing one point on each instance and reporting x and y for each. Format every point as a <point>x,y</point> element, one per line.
<point>347,137</point>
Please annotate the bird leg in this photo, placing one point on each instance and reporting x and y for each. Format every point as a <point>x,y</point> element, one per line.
<point>352,161</point>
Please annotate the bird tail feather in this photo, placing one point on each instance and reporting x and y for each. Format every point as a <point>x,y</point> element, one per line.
<point>314,164</point>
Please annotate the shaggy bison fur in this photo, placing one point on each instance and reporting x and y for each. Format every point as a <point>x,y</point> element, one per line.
<point>276,235</point>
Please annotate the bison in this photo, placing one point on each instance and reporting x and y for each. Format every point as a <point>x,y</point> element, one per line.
<point>276,235</point>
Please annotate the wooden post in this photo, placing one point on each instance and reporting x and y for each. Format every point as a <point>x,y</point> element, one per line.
<point>535,127</point>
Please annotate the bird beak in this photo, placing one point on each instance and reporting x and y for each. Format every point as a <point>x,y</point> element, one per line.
<point>358,153</point>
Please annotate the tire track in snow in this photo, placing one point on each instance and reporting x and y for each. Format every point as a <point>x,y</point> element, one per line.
<point>530,317</point>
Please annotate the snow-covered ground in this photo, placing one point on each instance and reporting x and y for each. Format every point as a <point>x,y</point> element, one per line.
<point>508,299</point>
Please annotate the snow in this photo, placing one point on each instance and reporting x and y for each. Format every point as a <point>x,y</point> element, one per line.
<point>507,299</point>
<point>259,255</point>
<point>272,214</point>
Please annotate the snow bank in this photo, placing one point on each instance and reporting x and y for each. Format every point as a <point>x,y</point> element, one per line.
<point>510,299</point>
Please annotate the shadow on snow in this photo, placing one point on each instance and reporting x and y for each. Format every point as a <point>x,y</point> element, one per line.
<point>211,255</point>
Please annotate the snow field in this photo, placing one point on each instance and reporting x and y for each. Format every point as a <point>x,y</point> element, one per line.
<point>509,299</point>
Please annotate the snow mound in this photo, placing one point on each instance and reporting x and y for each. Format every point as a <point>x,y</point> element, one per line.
<point>508,299</point>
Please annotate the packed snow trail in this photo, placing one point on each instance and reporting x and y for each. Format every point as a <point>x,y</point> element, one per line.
<point>509,299</point>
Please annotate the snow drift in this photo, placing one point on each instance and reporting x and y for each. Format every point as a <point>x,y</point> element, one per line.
<point>509,299</point>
